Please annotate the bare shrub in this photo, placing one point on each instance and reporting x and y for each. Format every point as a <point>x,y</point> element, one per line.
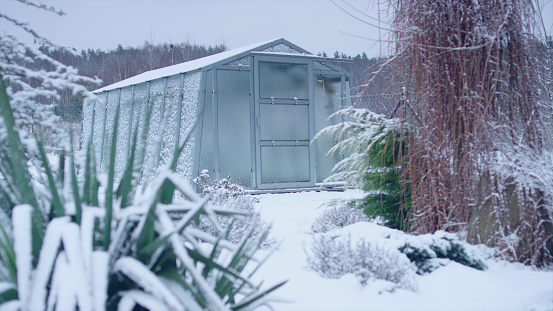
<point>515,208</point>
<point>229,195</point>
<point>334,256</point>
<point>337,217</point>
<point>477,89</point>
<point>474,77</point>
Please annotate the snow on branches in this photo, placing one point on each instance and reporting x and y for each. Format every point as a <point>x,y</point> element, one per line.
<point>36,82</point>
<point>360,130</point>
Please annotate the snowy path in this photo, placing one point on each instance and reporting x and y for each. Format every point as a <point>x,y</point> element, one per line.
<point>453,287</point>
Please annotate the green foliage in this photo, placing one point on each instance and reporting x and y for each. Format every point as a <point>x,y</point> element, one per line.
<point>388,198</point>
<point>376,149</point>
<point>18,179</point>
<point>426,257</point>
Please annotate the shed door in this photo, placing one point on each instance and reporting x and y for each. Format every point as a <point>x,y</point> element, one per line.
<point>284,126</point>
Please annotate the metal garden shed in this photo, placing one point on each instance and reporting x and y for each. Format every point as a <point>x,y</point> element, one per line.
<point>258,108</point>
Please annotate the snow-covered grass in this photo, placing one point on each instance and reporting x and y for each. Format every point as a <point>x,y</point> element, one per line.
<point>502,286</point>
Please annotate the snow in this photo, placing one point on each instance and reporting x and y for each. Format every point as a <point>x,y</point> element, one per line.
<point>132,297</point>
<point>503,286</point>
<point>45,265</point>
<point>22,215</point>
<point>146,279</point>
<point>100,263</point>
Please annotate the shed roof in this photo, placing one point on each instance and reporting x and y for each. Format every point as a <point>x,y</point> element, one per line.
<point>197,64</point>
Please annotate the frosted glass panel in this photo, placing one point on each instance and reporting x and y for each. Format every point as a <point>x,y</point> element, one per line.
<point>347,93</point>
<point>327,101</point>
<point>234,125</point>
<point>139,110</point>
<point>152,141</point>
<point>283,80</point>
<point>189,113</point>
<point>206,151</point>
<point>282,48</point>
<point>113,99</point>
<point>123,132</point>
<point>244,61</point>
<point>87,125</point>
<point>284,164</point>
<point>320,66</point>
<point>284,122</point>
<point>99,115</point>
<point>170,132</point>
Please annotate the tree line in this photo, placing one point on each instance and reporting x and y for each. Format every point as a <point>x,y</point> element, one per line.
<point>124,62</point>
<point>114,65</point>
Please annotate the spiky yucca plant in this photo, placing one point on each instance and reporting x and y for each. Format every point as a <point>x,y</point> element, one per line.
<point>95,245</point>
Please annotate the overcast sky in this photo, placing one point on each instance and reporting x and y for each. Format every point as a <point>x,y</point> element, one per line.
<point>316,25</point>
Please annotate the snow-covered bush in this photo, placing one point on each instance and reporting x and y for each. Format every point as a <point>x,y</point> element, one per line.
<point>428,251</point>
<point>226,194</point>
<point>220,189</point>
<point>376,148</point>
<point>333,256</point>
<point>371,251</point>
<point>337,217</point>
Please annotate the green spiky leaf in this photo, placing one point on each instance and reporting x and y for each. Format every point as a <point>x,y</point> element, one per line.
<point>74,184</point>
<point>91,184</point>
<point>57,206</point>
<point>111,181</point>
<point>8,294</point>
<point>7,255</point>
<point>125,188</point>
<point>21,176</point>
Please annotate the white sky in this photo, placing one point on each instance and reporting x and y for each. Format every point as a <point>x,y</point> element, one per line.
<point>316,25</point>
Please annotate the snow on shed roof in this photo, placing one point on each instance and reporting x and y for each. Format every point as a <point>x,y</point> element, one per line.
<point>194,64</point>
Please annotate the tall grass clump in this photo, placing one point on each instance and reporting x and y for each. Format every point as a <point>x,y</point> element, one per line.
<point>79,240</point>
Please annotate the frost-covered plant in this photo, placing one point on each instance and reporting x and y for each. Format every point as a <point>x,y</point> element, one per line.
<point>514,210</point>
<point>390,255</point>
<point>96,245</point>
<point>337,217</point>
<point>376,148</point>
<point>226,194</point>
<point>334,256</point>
<point>360,130</point>
<point>219,188</point>
<point>426,252</point>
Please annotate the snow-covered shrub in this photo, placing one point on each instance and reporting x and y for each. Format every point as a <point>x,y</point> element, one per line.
<point>220,189</point>
<point>337,217</point>
<point>427,252</point>
<point>79,241</point>
<point>333,256</point>
<point>226,194</point>
<point>379,252</point>
<point>376,147</point>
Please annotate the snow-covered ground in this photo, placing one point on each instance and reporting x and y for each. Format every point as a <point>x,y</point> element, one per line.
<point>503,286</point>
